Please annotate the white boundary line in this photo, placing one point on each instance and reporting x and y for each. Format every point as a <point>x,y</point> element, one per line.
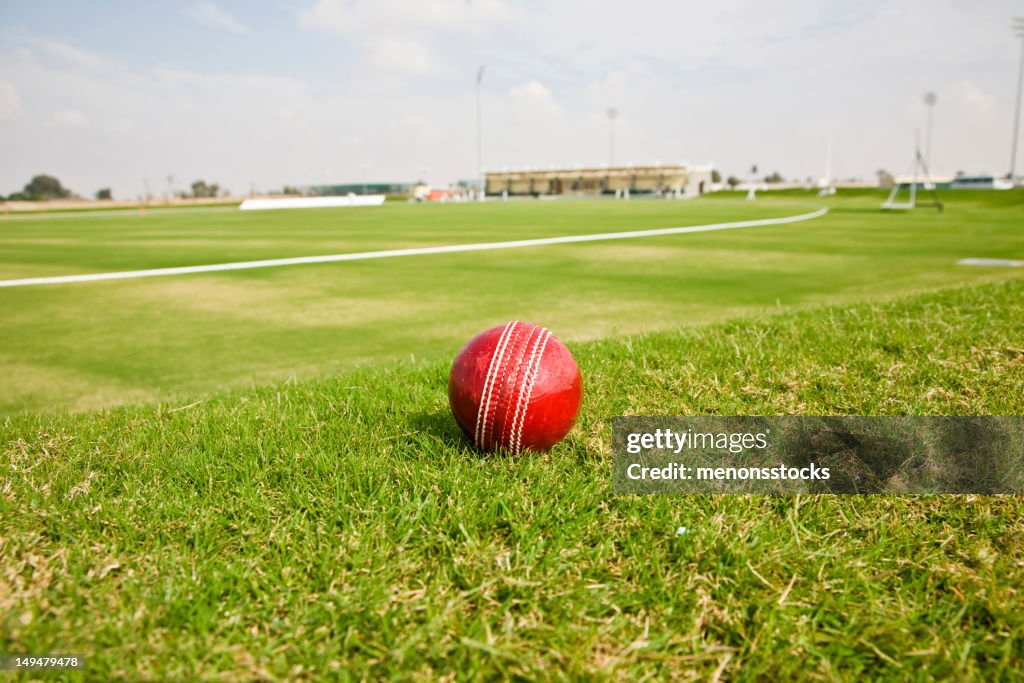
<point>1004,262</point>
<point>419,251</point>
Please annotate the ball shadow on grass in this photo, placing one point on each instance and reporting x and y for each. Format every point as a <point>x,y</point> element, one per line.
<point>438,427</point>
<point>437,432</point>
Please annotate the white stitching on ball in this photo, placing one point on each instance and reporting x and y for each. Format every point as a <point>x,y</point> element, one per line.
<point>485,397</point>
<point>524,398</point>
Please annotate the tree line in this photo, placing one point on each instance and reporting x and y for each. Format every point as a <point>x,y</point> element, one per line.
<point>46,187</point>
<point>732,181</point>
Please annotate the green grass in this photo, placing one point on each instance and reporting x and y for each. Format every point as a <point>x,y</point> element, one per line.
<point>343,527</point>
<point>83,346</point>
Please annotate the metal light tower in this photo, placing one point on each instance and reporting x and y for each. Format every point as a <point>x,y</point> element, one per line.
<point>613,114</point>
<point>479,135</point>
<point>930,99</point>
<point>1018,29</point>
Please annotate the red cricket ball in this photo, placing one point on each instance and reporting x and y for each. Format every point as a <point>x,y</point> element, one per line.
<point>515,387</point>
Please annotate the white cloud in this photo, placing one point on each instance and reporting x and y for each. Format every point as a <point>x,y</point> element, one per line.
<point>211,15</point>
<point>10,102</point>
<point>64,52</point>
<point>358,17</point>
<point>229,85</point>
<point>69,118</point>
<point>400,57</point>
<point>133,121</point>
<point>533,99</point>
<point>404,37</point>
<point>977,100</point>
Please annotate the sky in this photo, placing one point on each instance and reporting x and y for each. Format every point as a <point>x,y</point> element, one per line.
<point>261,94</point>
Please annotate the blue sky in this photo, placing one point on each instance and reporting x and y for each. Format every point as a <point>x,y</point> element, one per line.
<point>309,91</point>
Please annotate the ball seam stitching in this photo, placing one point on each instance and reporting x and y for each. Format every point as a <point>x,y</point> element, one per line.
<point>519,376</point>
<point>485,397</point>
<point>524,403</point>
<point>496,390</point>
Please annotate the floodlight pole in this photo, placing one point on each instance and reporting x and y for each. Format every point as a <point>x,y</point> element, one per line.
<point>613,114</point>
<point>479,135</point>
<point>1018,29</point>
<point>917,159</point>
<point>929,99</point>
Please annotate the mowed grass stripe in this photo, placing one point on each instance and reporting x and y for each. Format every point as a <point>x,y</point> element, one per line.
<point>171,239</point>
<point>128,212</point>
<point>395,253</point>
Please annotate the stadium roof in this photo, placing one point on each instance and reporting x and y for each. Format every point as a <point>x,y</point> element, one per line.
<point>596,171</point>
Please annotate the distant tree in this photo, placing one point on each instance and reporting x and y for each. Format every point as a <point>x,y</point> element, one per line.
<point>104,193</point>
<point>201,189</point>
<point>885,178</point>
<point>960,174</point>
<point>44,187</point>
<point>775,177</point>
<point>716,177</point>
<point>753,170</point>
<point>288,189</point>
<point>732,181</point>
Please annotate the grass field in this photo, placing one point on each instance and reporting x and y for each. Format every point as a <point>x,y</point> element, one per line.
<point>343,525</point>
<point>289,497</point>
<point>85,346</point>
